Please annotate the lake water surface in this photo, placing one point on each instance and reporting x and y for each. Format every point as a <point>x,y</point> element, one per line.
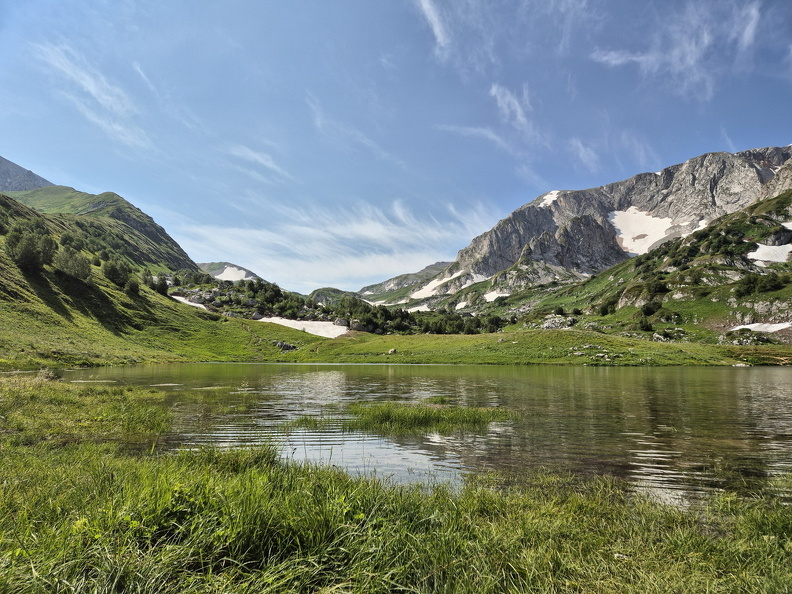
<point>676,433</point>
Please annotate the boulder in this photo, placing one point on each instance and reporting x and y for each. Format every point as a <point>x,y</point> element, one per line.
<point>285,346</point>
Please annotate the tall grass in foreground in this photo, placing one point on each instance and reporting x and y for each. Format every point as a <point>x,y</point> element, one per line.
<point>79,516</point>
<point>87,519</point>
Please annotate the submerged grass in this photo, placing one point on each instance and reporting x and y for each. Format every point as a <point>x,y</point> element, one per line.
<point>398,418</point>
<point>79,515</point>
<point>408,418</point>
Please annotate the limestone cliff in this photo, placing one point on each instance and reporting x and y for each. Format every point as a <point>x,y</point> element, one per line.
<point>585,231</point>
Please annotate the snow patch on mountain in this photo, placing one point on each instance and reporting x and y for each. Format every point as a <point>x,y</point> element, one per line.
<point>770,253</point>
<point>430,289</point>
<point>232,273</point>
<point>186,301</point>
<point>549,198</point>
<point>325,329</point>
<point>493,295</point>
<point>226,271</point>
<point>764,327</point>
<point>476,278</point>
<point>637,231</point>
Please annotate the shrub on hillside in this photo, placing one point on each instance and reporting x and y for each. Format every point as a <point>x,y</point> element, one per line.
<point>116,272</point>
<point>132,287</point>
<point>754,283</point>
<point>162,285</point>
<point>73,263</point>
<point>30,246</point>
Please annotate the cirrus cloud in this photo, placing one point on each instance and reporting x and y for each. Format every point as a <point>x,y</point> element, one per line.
<point>693,49</point>
<point>101,102</point>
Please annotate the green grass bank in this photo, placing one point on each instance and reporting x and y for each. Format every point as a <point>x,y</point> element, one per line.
<point>82,512</point>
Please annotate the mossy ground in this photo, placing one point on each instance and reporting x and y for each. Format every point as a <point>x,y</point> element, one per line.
<point>534,347</point>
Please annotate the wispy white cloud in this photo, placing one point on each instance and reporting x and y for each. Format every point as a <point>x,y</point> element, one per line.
<point>527,172</point>
<point>474,36</point>
<point>73,66</point>
<point>260,158</point>
<point>175,109</point>
<point>98,100</point>
<point>511,109</point>
<point>744,26</point>
<point>693,49</point>
<point>482,132</point>
<point>346,135</point>
<point>137,68</point>
<point>116,128</point>
<point>638,149</point>
<point>309,247</point>
<point>788,61</point>
<point>465,32</point>
<point>585,154</point>
<point>572,15</point>
<point>727,139</point>
<point>439,30</point>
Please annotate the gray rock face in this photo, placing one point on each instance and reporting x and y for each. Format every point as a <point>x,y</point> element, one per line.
<point>404,280</point>
<point>575,229</point>
<point>781,182</point>
<point>14,178</point>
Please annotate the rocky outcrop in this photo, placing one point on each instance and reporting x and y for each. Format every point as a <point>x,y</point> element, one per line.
<point>585,231</point>
<point>403,280</point>
<point>14,178</point>
<point>781,181</point>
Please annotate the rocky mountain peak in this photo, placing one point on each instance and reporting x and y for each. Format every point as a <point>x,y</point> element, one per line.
<point>570,234</point>
<point>14,178</point>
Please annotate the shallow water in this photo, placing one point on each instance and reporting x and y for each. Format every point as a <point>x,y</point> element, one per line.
<point>677,433</point>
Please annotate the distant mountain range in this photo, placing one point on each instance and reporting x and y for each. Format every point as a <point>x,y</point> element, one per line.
<point>561,237</point>
<point>568,235</point>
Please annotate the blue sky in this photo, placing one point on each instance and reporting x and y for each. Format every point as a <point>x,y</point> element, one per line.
<point>343,142</point>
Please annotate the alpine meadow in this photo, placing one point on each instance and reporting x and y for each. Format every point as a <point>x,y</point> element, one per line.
<point>422,296</point>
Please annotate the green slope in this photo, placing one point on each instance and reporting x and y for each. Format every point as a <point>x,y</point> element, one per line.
<point>48,318</point>
<point>143,241</point>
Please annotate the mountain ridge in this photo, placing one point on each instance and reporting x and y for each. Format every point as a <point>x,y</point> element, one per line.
<point>568,235</point>
<point>143,232</point>
<point>15,178</point>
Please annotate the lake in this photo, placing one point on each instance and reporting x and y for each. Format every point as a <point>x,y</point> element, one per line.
<point>676,433</point>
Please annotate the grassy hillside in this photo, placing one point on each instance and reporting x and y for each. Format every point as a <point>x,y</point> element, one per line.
<point>50,318</point>
<point>119,225</point>
<point>517,346</point>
